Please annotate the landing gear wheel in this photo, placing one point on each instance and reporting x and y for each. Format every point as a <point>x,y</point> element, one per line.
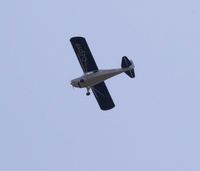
<point>88,93</point>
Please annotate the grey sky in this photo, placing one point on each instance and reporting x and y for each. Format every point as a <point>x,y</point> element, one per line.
<point>45,124</point>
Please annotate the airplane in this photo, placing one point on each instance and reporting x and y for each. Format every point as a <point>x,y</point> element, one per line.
<point>92,77</point>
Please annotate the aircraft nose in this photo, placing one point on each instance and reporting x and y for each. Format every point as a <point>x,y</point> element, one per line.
<point>73,83</point>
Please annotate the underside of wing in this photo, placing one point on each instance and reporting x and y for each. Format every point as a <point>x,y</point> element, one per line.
<point>103,97</point>
<point>84,54</point>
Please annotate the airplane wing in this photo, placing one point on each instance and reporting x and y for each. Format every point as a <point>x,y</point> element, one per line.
<point>84,54</point>
<point>103,97</point>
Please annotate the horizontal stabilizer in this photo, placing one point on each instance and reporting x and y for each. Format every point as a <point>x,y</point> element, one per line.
<point>125,62</point>
<point>131,73</point>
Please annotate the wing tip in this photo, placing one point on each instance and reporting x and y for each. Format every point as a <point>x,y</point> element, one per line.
<point>107,108</point>
<point>76,38</point>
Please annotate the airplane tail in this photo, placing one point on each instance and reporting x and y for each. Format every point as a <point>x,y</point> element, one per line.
<point>126,63</point>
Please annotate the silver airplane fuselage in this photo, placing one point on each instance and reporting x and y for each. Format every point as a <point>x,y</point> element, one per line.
<point>92,78</point>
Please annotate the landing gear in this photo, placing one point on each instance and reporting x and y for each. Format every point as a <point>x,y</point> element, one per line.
<point>88,91</point>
